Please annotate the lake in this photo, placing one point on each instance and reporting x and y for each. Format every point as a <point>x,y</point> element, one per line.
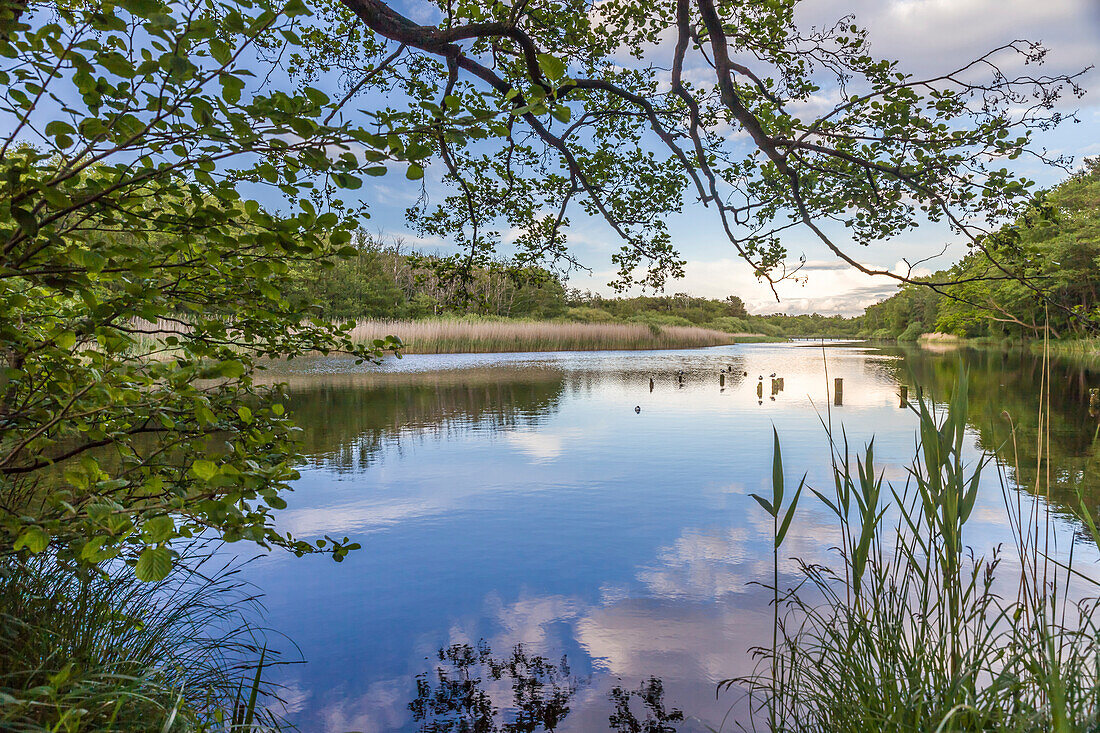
<point>560,502</point>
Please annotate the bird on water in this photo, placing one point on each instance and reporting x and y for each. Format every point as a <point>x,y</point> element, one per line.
<point>637,408</point>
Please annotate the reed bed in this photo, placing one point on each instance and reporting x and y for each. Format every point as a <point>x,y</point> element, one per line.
<point>915,631</point>
<point>457,336</point>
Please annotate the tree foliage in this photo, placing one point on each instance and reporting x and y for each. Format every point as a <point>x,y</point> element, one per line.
<point>140,289</point>
<point>1052,252</point>
<point>387,280</point>
<point>626,108</point>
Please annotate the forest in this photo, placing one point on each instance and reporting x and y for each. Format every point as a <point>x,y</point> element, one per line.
<point>1042,270</point>
<point>384,280</point>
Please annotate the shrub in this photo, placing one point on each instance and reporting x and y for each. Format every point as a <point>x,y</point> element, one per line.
<point>660,319</point>
<point>586,314</point>
<point>730,324</point>
<point>761,326</point>
<point>912,332</point>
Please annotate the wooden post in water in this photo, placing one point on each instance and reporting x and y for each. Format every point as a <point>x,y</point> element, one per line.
<point>722,379</point>
<point>759,390</point>
<point>904,396</point>
<point>838,391</point>
<point>651,384</point>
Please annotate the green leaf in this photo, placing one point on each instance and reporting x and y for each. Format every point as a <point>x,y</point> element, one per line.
<point>231,87</point>
<point>204,469</point>
<point>27,221</point>
<point>93,550</point>
<point>295,7</point>
<point>34,539</point>
<point>553,67</point>
<point>158,529</point>
<point>231,369</point>
<point>346,180</point>
<point>153,564</point>
<point>782,533</point>
<point>59,127</point>
<point>414,172</point>
<point>777,470</point>
<point>764,503</point>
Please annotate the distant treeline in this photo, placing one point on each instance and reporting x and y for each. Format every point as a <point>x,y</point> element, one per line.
<point>1043,268</point>
<point>386,280</point>
<point>1054,247</point>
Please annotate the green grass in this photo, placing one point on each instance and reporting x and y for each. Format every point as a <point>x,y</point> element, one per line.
<point>94,649</point>
<point>910,631</point>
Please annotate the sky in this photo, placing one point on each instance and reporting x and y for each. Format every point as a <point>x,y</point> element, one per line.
<point>926,37</point>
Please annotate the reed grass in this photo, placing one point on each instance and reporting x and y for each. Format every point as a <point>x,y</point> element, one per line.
<point>1080,347</point>
<point>460,336</point>
<point>912,630</point>
<point>94,649</point>
<point>471,335</point>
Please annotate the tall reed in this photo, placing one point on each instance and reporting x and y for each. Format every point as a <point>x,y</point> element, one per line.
<point>913,631</point>
<point>94,649</point>
<point>456,336</point>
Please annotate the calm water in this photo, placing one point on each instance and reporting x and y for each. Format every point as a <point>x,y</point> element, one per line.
<point>521,499</point>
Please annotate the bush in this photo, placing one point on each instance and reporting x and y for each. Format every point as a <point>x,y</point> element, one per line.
<point>660,319</point>
<point>730,324</point>
<point>912,332</point>
<point>587,314</point>
<point>761,326</point>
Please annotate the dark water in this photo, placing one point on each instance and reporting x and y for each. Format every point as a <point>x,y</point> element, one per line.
<point>521,500</point>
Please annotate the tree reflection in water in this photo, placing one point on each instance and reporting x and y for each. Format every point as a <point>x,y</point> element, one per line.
<point>651,696</point>
<point>463,693</point>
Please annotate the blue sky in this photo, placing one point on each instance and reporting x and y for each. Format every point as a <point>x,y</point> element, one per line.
<point>926,36</point>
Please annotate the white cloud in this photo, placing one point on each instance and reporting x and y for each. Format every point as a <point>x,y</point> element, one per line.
<point>931,36</point>
<point>540,445</point>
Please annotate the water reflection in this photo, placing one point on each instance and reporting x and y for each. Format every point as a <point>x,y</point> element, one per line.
<point>521,500</point>
<point>351,418</point>
<point>467,690</point>
<point>472,691</point>
<point>1005,387</point>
